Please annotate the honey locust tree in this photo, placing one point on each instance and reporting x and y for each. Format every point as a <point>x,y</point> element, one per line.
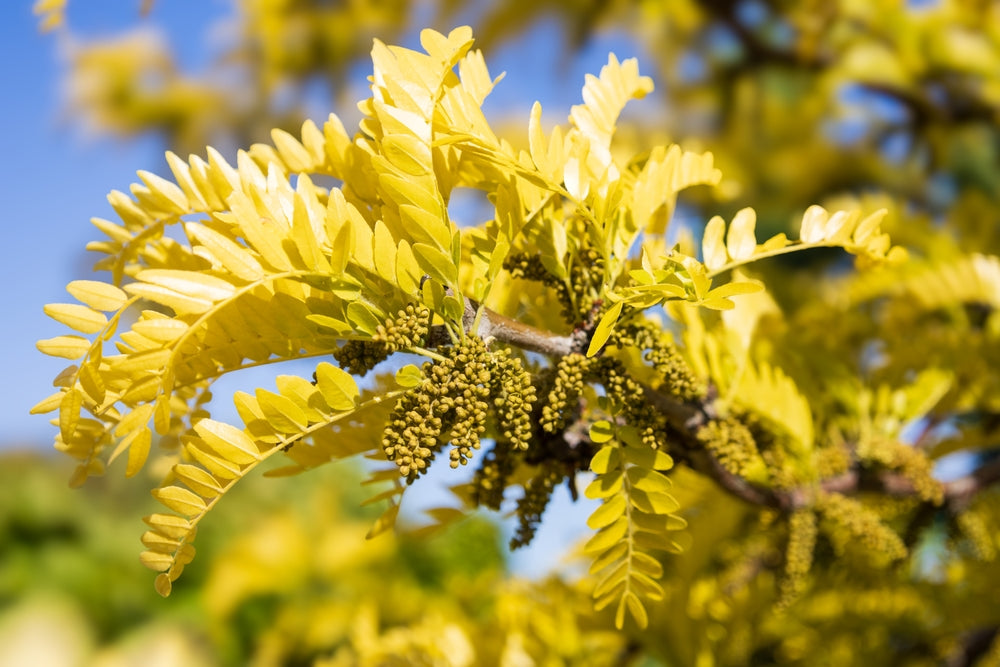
<point>744,460</point>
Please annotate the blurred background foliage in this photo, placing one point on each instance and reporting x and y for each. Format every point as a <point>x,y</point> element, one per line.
<point>894,103</point>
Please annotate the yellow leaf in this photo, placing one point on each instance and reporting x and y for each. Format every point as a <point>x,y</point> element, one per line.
<point>339,389</point>
<point>158,562</point>
<point>635,608</point>
<point>292,153</point>
<point>47,404</point>
<point>609,557</point>
<point>67,347</point>
<point>228,441</point>
<point>158,542</point>
<point>69,413</point>
<point>446,49</point>
<point>385,522</point>
<point>648,480</point>
<point>168,196</point>
<point>218,466</point>
<point>813,229</point>
<point>651,459</point>
<point>198,479</point>
<point>717,304</point>
<point>163,584</point>
<point>608,536</point>
<point>436,263</point>
<point>740,240</point>
<point>181,304</point>
<point>77,317</point>
<point>281,412</point>
<point>182,501</point>
<point>138,452</point>
<point>189,283</point>
<point>607,458</point>
<point>653,502</point>
<point>384,252</point>
<point>161,329</point>
<point>171,525</point>
<point>612,580</point>
<point>734,289</point>
<point>234,258</point>
<point>713,250</point>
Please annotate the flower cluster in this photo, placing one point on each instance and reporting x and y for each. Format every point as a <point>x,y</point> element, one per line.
<point>851,521</point>
<point>911,462</point>
<point>407,329</point>
<point>662,354</point>
<point>530,507</point>
<point>579,293</point>
<point>975,529</point>
<point>453,404</point>
<point>732,445</point>
<point>798,555</point>
<point>490,480</point>
<point>562,404</point>
<point>513,398</point>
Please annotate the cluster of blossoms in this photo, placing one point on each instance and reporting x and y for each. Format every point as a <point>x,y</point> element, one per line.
<point>408,329</point>
<point>663,356</point>
<point>730,442</point>
<point>802,531</point>
<point>453,404</point>
<point>579,294</point>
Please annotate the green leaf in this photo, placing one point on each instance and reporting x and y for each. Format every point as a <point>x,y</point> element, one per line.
<point>409,376</point>
<point>604,485</point>
<point>604,328</point>
<point>606,459</point>
<point>608,536</point>
<point>609,557</point>
<point>648,480</point>
<point>601,431</point>
<point>608,512</point>
<point>647,457</point>
<point>653,502</point>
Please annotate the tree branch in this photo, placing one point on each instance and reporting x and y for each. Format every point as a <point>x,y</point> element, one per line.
<point>687,417</point>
